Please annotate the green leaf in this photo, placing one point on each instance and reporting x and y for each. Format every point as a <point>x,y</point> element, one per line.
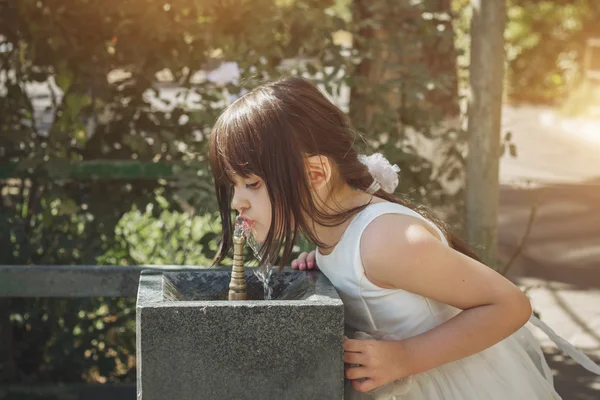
<point>64,79</point>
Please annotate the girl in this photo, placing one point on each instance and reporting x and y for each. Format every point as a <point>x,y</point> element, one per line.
<point>283,156</point>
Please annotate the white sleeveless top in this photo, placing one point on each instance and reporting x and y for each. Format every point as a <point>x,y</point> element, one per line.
<point>369,307</point>
<point>514,368</point>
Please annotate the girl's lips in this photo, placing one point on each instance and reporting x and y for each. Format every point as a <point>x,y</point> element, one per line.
<point>248,221</point>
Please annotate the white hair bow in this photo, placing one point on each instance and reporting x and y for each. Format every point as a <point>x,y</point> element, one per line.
<point>385,175</point>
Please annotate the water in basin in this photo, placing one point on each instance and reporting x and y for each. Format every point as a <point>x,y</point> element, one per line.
<point>213,284</point>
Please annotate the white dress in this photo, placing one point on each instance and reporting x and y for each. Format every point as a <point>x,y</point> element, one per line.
<point>512,369</point>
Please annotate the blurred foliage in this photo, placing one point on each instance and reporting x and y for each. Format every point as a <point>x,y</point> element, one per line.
<point>131,79</point>
<point>546,47</point>
<point>71,340</point>
<point>404,86</point>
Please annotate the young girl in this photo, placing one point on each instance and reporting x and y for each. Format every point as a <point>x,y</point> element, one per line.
<point>283,156</point>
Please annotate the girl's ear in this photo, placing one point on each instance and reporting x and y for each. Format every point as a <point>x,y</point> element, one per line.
<point>319,171</point>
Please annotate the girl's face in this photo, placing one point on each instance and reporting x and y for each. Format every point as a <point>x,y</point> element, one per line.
<point>251,200</point>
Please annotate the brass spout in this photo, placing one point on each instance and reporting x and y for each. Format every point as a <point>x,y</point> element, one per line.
<point>237,286</point>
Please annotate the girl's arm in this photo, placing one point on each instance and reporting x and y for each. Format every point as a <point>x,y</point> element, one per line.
<point>400,251</point>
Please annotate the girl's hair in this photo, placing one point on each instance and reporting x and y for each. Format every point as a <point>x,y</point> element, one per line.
<point>268,132</point>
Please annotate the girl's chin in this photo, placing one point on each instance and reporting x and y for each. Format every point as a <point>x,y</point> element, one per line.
<point>258,235</point>
<point>260,239</point>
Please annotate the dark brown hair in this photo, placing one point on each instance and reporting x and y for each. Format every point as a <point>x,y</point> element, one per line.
<point>268,132</point>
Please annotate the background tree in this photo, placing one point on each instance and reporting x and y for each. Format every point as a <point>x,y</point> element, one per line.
<point>485,111</point>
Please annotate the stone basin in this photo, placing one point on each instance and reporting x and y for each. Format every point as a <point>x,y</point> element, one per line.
<point>192,343</point>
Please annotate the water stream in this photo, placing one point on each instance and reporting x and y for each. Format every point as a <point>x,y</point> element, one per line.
<point>263,272</point>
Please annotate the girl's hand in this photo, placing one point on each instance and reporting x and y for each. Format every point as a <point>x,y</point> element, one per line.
<point>305,261</point>
<point>380,362</point>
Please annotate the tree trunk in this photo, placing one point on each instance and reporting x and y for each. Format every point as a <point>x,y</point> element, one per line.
<point>485,110</point>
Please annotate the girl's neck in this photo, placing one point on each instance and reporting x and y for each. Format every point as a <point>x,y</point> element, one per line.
<point>343,199</point>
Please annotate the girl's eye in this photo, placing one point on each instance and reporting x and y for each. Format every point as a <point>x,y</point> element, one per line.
<point>254,185</point>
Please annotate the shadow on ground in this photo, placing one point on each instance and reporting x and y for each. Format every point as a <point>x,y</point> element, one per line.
<point>564,242</point>
<point>572,381</point>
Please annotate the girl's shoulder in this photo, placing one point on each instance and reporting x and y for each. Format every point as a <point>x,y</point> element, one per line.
<point>382,218</point>
<point>393,238</point>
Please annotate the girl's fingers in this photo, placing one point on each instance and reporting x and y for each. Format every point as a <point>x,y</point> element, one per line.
<point>310,260</point>
<point>354,358</point>
<point>300,262</point>
<point>353,345</point>
<point>364,385</point>
<point>305,261</point>
<point>356,372</point>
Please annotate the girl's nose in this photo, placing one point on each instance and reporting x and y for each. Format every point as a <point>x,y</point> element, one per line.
<point>239,202</point>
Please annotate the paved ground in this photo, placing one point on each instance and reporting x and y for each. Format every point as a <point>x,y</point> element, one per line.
<point>560,265</point>
<point>558,172</point>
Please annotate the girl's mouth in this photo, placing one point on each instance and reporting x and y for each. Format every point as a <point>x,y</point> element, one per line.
<point>248,222</point>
